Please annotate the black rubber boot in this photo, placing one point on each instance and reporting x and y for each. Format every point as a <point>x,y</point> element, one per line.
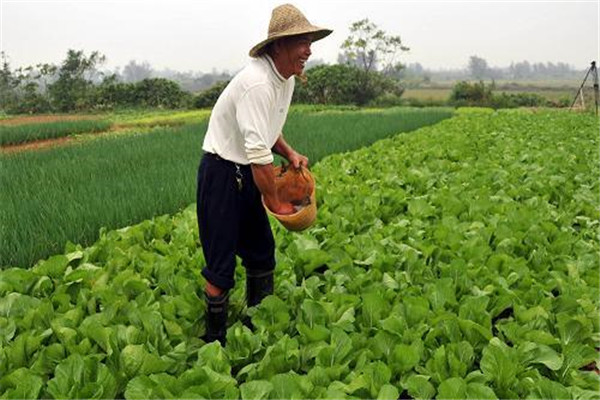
<point>259,284</point>
<point>216,318</point>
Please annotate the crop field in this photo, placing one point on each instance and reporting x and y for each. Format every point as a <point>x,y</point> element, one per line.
<point>21,133</point>
<point>460,260</point>
<point>19,130</point>
<point>69,193</point>
<point>443,94</point>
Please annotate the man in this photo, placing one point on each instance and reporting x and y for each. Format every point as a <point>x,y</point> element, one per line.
<point>237,167</point>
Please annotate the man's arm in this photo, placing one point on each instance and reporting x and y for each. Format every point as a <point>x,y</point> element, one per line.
<point>264,178</point>
<point>282,148</point>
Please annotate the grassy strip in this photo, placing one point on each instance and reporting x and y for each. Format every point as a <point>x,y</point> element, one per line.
<point>164,117</point>
<point>16,134</point>
<point>442,94</point>
<point>69,193</point>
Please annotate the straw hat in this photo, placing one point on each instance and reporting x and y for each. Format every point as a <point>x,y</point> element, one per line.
<point>287,20</point>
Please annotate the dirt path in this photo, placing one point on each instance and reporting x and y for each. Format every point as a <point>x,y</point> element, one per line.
<point>41,119</point>
<point>36,145</point>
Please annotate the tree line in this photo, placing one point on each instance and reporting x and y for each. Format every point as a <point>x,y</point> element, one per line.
<point>366,75</point>
<point>367,72</point>
<point>478,68</point>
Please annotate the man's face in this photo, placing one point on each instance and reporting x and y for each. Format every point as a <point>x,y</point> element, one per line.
<point>295,52</point>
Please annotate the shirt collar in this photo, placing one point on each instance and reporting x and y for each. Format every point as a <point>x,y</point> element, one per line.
<point>274,68</point>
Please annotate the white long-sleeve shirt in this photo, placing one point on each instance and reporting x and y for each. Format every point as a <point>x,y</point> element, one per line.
<point>249,115</point>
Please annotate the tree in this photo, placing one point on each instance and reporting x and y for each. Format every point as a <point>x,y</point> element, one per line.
<point>471,94</point>
<point>520,70</point>
<point>372,49</point>
<point>208,97</point>
<point>340,84</point>
<point>8,85</point>
<point>374,53</point>
<point>160,92</point>
<point>24,89</point>
<point>329,84</point>
<point>478,67</point>
<point>134,72</point>
<point>74,86</point>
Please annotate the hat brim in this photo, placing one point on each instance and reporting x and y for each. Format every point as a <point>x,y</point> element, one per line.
<point>316,33</point>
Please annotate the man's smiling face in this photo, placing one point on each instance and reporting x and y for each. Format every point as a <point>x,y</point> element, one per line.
<point>294,52</point>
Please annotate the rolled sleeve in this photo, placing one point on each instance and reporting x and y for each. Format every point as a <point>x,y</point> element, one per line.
<point>252,115</point>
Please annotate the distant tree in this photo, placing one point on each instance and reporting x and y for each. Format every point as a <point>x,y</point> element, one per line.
<point>341,84</point>
<point>330,84</point>
<point>539,69</point>
<point>373,52</point>
<point>520,70</point>
<point>372,49</point>
<point>74,86</point>
<point>134,72</point>
<point>478,67</point>
<point>471,94</point>
<point>112,94</point>
<point>417,68</point>
<point>24,89</point>
<point>160,92</point>
<point>8,85</point>
<point>208,97</point>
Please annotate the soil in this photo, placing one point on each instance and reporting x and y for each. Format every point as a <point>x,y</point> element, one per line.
<point>35,119</point>
<point>36,145</point>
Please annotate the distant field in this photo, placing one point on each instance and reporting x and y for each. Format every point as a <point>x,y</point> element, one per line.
<point>21,129</point>
<point>551,91</point>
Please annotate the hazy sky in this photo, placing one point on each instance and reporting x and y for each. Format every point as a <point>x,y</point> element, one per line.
<point>202,35</point>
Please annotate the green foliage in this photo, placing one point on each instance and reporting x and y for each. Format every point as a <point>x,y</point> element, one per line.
<point>20,90</point>
<point>471,94</point>
<point>514,100</point>
<point>335,84</point>
<point>467,268</point>
<point>372,49</point>
<point>73,88</point>
<point>160,93</point>
<point>148,93</point>
<point>373,52</point>
<point>346,84</point>
<point>208,98</point>
<point>8,84</point>
<point>111,94</point>
<point>479,95</point>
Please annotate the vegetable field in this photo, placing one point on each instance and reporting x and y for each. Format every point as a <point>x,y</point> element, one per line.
<point>458,261</point>
<point>69,192</point>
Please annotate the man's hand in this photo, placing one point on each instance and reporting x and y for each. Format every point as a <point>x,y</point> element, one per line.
<point>298,160</point>
<point>283,149</point>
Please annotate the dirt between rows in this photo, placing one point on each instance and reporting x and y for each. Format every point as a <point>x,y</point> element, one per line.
<point>35,145</point>
<point>34,119</point>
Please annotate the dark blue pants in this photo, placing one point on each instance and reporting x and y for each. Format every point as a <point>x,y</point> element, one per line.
<point>232,221</point>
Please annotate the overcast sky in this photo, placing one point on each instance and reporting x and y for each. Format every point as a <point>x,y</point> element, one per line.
<point>202,35</point>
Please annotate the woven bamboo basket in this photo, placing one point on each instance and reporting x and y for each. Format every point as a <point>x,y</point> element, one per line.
<point>304,217</point>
